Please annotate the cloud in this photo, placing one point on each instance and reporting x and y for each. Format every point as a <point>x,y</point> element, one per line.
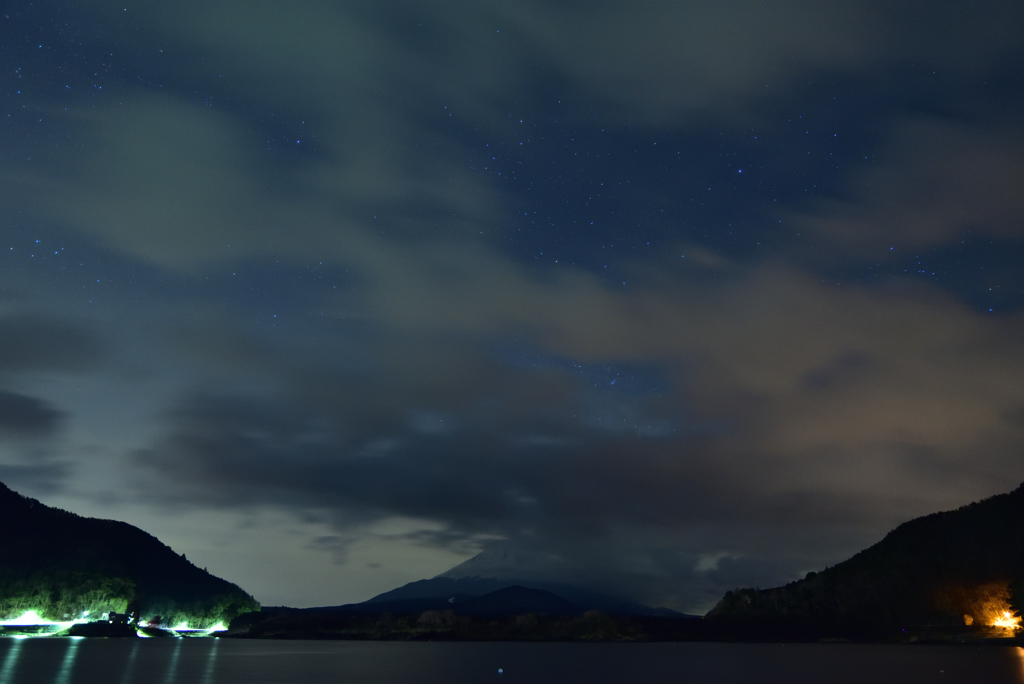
<point>388,98</point>
<point>938,181</point>
<point>782,407</point>
<point>655,60</point>
<point>23,416</point>
<point>792,404</point>
<point>46,478</point>
<point>788,407</point>
<point>31,342</point>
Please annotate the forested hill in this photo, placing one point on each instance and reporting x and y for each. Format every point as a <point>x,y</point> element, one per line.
<point>961,567</point>
<point>60,565</point>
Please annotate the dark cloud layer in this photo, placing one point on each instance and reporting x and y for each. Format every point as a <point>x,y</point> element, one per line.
<point>35,346</point>
<point>38,343</point>
<point>688,295</point>
<point>46,478</point>
<point>795,412</point>
<point>26,416</point>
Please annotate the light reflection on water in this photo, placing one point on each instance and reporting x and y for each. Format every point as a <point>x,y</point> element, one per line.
<point>228,661</point>
<point>10,661</point>
<point>129,666</point>
<point>172,668</point>
<point>68,664</point>
<point>211,663</point>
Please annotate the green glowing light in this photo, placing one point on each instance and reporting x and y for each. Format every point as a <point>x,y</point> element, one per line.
<point>29,618</point>
<point>183,629</point>
<point>33,619</point>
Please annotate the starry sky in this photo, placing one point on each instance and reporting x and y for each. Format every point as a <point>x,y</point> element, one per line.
<point>678,296</point>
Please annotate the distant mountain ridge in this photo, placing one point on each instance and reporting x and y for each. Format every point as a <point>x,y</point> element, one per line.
<point>505,601</point>
<point>954,568</point>
<point>489,572</point>
<point>61,565</point>
<point>955,576</point>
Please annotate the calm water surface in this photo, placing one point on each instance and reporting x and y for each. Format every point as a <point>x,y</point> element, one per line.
<point>213,661</point>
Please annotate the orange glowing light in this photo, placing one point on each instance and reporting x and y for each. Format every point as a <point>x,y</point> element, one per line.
<point>1007,620</point>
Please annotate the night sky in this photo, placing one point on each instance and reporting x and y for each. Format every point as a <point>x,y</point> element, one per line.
<point>675,297</point>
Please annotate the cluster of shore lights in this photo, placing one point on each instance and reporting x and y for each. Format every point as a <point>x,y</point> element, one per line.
<point>32,618</point>
<point>182,629</point>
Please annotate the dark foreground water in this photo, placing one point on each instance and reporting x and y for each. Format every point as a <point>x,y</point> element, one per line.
<point>210,661</point>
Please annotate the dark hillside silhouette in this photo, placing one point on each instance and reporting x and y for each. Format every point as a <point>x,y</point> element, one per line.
<point>60,564</point>
<point>956,568</point>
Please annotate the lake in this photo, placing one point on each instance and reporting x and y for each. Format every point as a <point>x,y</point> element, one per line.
<point>224,661</point>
